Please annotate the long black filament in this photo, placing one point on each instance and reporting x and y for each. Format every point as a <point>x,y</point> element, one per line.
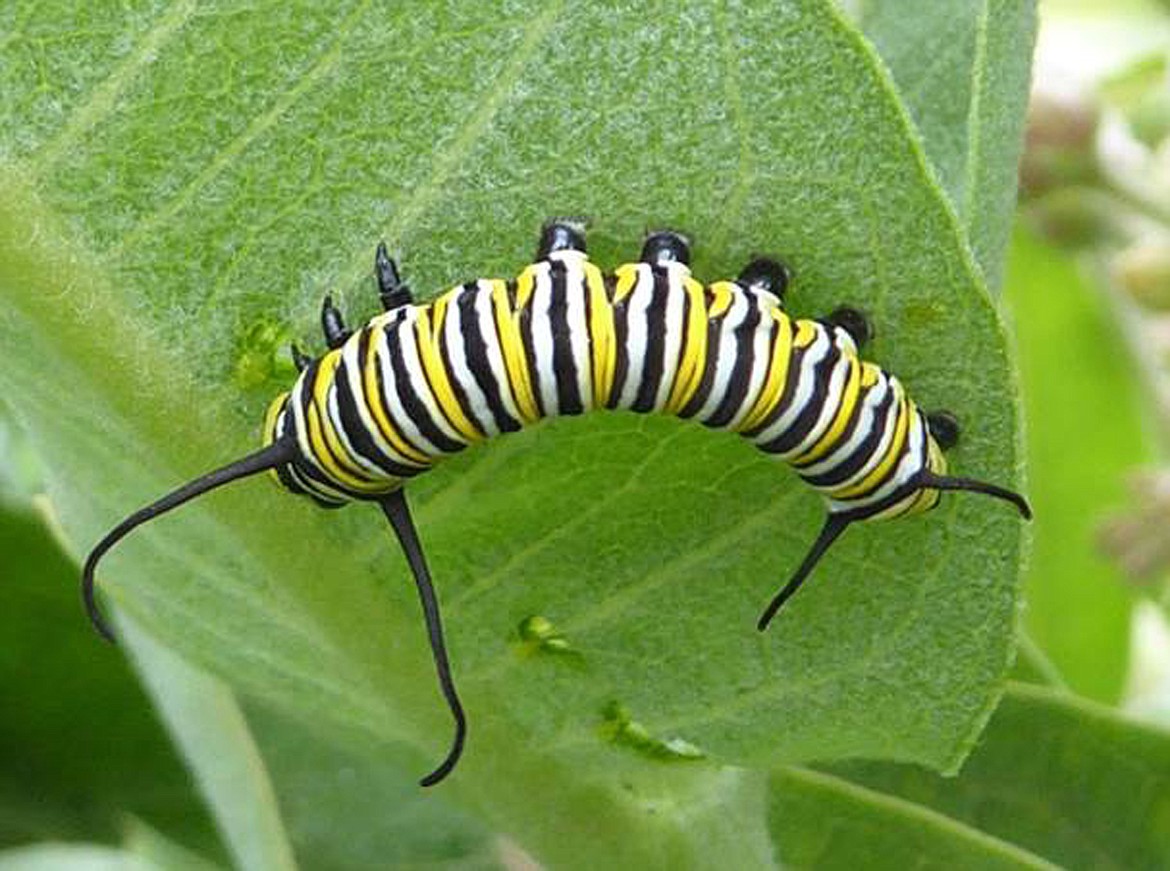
<point>834,525</point>
<point>398,513</point>
<point>260,461</point>
<point>930,481</point>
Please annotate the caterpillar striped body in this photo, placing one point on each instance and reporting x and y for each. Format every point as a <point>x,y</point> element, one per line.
<point>423,381</point>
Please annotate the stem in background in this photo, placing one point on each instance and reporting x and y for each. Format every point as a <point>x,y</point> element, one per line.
<point>1034,656</point>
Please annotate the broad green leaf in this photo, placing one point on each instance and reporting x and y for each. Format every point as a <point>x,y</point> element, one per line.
<point>144,850</point>
<point>1077,377</point>
<point>58,783</point>
<point>210,730</point>
<point>339,808</point>
<point>824,821</point>
<point>1069,780</point>
<point>963,69</point>
<point>21,475</point>
<point>152,846</point>
<point>79,747</point>
<point>353,806</point>
<point>72,857</point>
<point>189,202</point>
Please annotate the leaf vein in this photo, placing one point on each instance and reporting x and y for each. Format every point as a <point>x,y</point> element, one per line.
<point>104,97</point>
<point>261,125</point>
<point>465,139</point>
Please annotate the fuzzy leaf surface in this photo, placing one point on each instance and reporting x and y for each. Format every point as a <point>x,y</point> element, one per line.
<point>183,183</point>
<point>964,71</point>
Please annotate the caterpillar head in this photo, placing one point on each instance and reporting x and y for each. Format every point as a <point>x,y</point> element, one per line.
<point>943,434</point>
<point>920,493</point>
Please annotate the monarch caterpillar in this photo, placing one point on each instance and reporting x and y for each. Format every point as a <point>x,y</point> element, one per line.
<point>421,381</point>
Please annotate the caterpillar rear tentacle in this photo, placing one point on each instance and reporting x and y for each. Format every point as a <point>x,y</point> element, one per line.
<point>419,382</point>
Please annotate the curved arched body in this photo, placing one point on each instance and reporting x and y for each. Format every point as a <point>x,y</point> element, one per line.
<point>488,357</point>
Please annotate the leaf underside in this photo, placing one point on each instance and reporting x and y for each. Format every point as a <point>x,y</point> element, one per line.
<point>184,185</point>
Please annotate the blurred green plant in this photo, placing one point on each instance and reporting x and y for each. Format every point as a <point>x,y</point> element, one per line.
<point>1078,377</point>
<point>79,747</point>
<point>182,184</point>
<point>1096,181</point>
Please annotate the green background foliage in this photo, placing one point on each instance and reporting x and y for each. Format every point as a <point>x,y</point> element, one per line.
<point>182,184</point>
<point>61,775</point>
<point>1077,377</point>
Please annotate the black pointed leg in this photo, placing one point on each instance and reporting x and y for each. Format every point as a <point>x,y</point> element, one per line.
<point>561,234</point>
<point>392,290</point>
<point>765,274</point>
<point>854,322</point>
<point>332,324</point>
<point>944,429</point>
<point>666,246</point>
<point>398,513</point>
<point>300,359</point>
